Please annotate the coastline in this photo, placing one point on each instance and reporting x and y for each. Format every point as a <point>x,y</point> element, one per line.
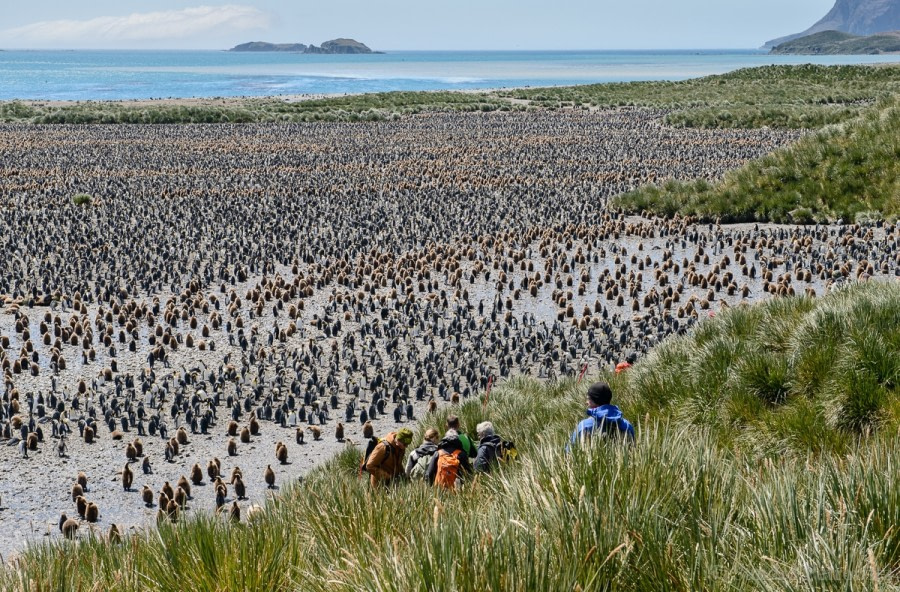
<point>176,75</point>
<point>240,100</point>
<point>493,93</point>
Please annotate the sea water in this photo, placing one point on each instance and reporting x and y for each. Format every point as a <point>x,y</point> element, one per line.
<point>120,75</point>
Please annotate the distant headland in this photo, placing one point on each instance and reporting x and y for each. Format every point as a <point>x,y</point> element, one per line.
<point>857,17</point>
<point>838,43</point>
<point>335,46</point>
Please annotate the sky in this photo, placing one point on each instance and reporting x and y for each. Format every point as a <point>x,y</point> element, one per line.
<point>406,24</point>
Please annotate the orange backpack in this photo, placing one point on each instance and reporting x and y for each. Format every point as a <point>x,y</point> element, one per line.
<point>447,469</point>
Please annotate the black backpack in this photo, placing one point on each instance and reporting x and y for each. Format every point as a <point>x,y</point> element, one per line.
<point>506,451</point>
<point>370,448</point>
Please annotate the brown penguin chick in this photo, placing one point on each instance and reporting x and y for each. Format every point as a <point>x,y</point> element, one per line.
<point>281,453</point>
<point>81,505</point>
<point>127,478</point>
<point>82,480</point>
<point>245,435</point>
<point>212,469</point>
<point>339,432</point>
<point>88,435</point>
<point>92,512</point>
<point>131,452</point>
<point>145,465</point>
<point>254,427</point>
<point>173,442</point>
<point>147,496</point>
<point>183,484</point>
<point>32,441</point>
<point>240,490</point>
<point>235,473</point>
<point>168,491</point>
<point>138,446</point>
<point>454,399</point>
<point>316,432</point>
<point>180,497</point>
<point>172,510</point>
<point>368,430</point>
<point>235,513</point>
<point>181,436</point>
<point>270,477</point>
<point>432,406</point>
<point>232,447</point>
<point>77,490</point>
<point>232,428</point>
<point>221,493</point>
<point>163,500</point>
<point>299,435</point>
<point>114,537</point>
<point>196,474</point>
<point>68,526</point>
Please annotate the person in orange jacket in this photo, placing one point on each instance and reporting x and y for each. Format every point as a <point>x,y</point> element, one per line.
<point>386,461</point>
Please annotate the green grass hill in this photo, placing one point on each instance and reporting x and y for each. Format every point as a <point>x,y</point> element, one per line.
<point>841,172</point>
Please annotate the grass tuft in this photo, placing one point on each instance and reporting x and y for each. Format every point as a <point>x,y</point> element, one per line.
<point>82,199</point>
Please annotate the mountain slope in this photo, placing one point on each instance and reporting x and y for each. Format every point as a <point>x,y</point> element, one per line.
<point>837,43</point>
<point>860,17</point>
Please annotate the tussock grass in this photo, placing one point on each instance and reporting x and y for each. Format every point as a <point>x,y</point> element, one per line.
<point>850,171</point>
<point>367,107</point>
<point>780,496</point>
<point>82,199</point>
<point>804,96</point>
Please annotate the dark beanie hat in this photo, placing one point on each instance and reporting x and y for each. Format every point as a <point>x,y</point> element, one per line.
<point>599,393</point>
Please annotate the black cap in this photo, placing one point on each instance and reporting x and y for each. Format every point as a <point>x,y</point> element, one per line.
<point>599,393</point>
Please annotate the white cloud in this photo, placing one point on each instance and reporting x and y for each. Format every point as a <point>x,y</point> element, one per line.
<point>139,27</point>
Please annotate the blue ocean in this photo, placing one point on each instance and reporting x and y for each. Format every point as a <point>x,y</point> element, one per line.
<point>119,75</point>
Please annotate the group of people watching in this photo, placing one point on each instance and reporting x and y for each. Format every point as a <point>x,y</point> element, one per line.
<point>445,462</point>
<point>449,461</point>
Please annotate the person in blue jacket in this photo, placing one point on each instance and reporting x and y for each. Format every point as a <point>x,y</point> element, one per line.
<point>603,417</point>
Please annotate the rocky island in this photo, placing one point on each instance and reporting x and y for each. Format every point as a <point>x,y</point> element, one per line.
<point>838,43</point>
<point>335,46</point>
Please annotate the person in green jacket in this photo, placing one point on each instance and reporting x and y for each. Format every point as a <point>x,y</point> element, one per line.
<point>467,445</point>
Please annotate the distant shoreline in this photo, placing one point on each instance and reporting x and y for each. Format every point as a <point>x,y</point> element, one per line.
<point>297,98</point>
<point>148,80</point>
<point>230,101</point>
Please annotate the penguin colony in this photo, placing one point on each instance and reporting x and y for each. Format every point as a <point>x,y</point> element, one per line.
<point>232,285</point>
